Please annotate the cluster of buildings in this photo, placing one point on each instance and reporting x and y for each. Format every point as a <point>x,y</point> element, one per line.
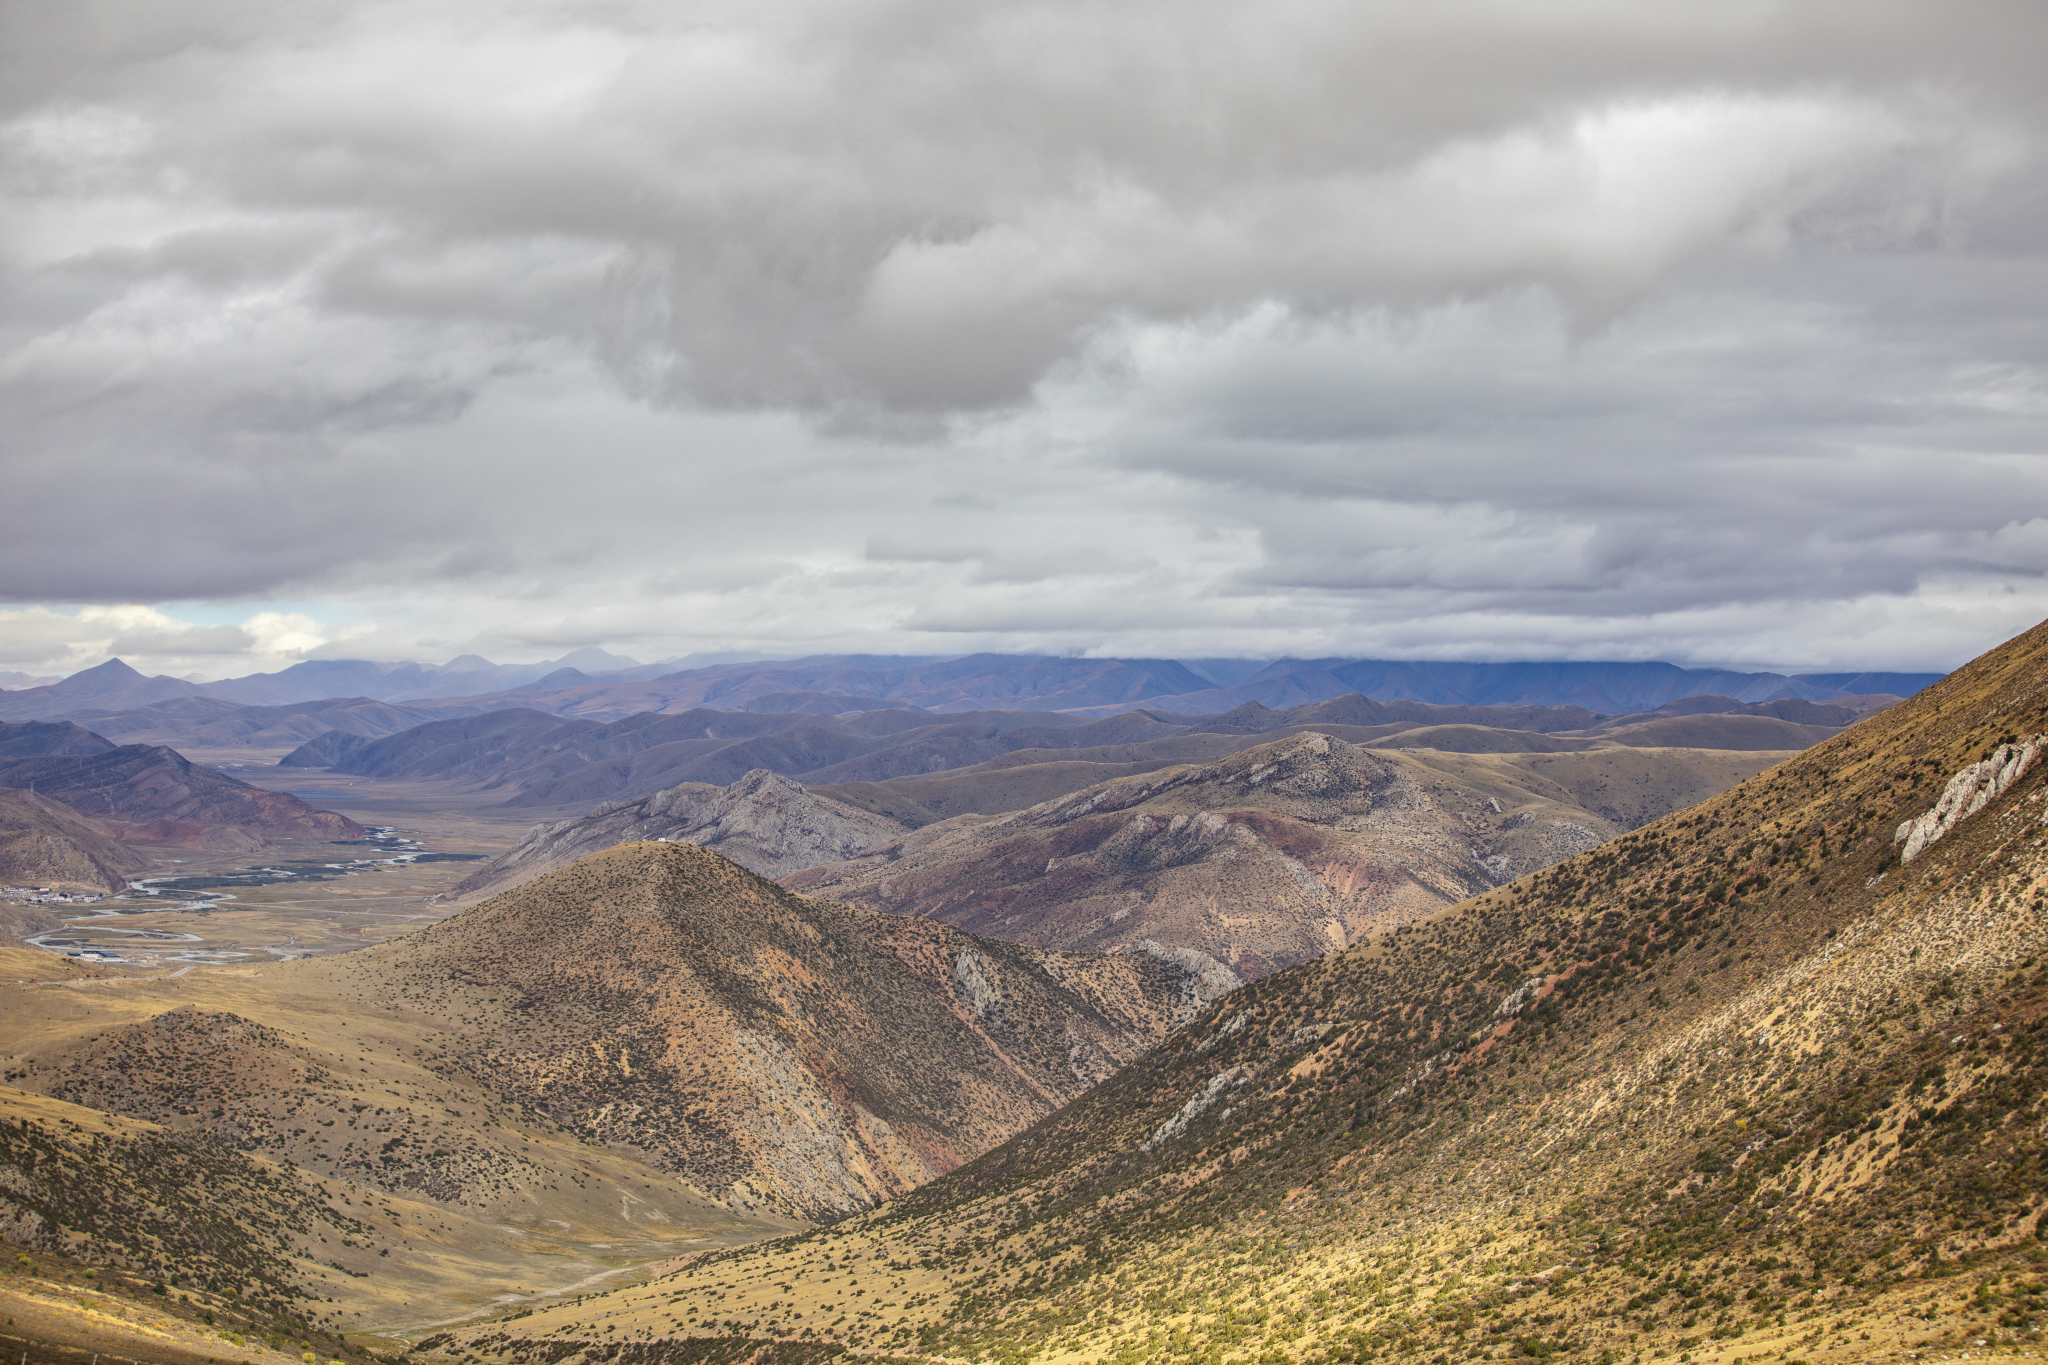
<point>43,895</point>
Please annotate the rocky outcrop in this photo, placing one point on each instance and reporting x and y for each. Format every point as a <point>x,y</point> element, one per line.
<point>764,822</point>
<point>1968,792</point>
<point>1525,844</point>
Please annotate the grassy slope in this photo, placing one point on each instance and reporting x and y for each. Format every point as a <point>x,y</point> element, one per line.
<point>514,1096</point>
<point>1735,1084</point>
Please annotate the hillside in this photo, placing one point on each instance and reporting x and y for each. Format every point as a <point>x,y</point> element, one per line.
<point>776,1051</point>
<point>1741,1084</point>
<point>765,823</point>
<point>43,843</point>
<point>37,738</point>
<point>144,794</point>
<point>276,1256</point>
<point>1272,855</point>
<point>653,1013</point>
<point>211,722</point>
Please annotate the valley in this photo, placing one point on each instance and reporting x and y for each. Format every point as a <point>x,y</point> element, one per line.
<point>1736,1085</point>
<point>1346,1030</point>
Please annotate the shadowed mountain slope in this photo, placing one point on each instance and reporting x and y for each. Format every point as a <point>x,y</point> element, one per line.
<point>210,722</point>
<point>1740,1084</point>
<point>37,738</point>
<point>776,1052</point>
<point>765,823</point>
<point>545,760</point>
<point>1607,688</point>
<point>146,794</point>
<point>1105,686</point>
<point>43,843</point>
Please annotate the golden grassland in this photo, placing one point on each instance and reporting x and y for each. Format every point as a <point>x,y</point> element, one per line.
<point>467,1202</point>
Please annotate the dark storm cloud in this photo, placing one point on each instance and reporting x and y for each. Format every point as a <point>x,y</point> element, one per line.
<point>1709,331</point>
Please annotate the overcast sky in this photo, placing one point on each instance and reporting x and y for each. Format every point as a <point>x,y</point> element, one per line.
<point>1524,329</point>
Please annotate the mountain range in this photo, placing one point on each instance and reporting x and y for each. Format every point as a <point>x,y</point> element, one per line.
<point>593,685</point>
<point>1747,1083</point>
<point>1277,852</point>
<point>1760,1076</point>
<point>540,760</point>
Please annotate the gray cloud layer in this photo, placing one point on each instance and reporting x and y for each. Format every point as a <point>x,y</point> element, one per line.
<point>1707,332</point>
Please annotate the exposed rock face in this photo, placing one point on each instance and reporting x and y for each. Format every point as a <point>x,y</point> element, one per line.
<point>45,844</point>
<point>1268,857</point>
<point>1968,792</point>
<point>764,822</point>
<point>780,1053</point>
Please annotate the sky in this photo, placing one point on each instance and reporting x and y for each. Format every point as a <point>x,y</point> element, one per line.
<point>1484,329</point>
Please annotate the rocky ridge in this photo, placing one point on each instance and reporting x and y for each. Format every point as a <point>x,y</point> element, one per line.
<point>1265,858</point>
<point>766,823</point>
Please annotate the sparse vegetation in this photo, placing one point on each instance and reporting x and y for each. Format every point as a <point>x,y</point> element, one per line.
<point>1510,1130</point>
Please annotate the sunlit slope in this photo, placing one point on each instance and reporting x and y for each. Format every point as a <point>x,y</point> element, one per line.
<point>787,1054</point>
<point>275,1070</point>
<point>1737,1084</point>
<point>280,1250</point>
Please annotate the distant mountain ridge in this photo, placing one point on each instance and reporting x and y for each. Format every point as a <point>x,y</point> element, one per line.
<point>591,684</point>
<point>541,760</point>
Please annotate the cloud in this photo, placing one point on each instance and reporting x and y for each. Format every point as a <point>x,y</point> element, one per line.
<point>153,639</point>
<point>1489,326</point>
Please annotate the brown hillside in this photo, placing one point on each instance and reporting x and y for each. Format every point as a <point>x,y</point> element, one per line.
<point>143,794</point>
<point>648,1052</point>
<point>45,844</point>
<point>777,1052</point>
<point>1740,1085</point>
<point>1273,855</point>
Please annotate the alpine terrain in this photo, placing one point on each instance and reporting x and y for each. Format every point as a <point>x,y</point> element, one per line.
<point>1749,1082</point>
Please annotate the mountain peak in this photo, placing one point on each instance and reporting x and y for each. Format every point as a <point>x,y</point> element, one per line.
<point>112,671</point>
